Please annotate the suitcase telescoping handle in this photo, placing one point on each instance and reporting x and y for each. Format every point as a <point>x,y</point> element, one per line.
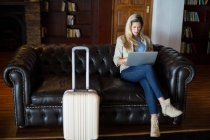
<point>73,65</point>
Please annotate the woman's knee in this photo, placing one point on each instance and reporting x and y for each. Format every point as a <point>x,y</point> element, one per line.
<point>146,66</point>
<point>149,67</point>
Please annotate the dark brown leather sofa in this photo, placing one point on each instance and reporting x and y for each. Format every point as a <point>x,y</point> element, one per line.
<point>39,75</point>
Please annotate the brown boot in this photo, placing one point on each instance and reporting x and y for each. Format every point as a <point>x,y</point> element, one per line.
<point>169,110</point>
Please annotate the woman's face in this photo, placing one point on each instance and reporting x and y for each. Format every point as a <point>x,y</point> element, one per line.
<point>135,28</point>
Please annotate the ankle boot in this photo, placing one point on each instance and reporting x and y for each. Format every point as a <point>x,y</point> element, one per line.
<point>155,132</point>
<point>168,109</point>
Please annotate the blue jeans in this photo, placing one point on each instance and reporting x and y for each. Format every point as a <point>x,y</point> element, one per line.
<point>144,74</point>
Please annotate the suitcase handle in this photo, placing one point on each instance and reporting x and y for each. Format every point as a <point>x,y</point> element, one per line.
<point>73,65</point>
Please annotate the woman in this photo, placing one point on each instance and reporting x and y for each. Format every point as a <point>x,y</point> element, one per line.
<point>135,40</point>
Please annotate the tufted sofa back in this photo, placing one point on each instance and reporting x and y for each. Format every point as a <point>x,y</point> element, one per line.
<point>56,59</point>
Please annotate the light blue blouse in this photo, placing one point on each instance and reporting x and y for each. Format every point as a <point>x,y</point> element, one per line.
<point>141,47</point>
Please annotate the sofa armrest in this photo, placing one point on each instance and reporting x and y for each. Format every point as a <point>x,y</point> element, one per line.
<point>174,71</point>
<point>21,71</point>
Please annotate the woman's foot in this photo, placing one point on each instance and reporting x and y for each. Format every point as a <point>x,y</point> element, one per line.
<point>168,109</point>
<point>155,132</point>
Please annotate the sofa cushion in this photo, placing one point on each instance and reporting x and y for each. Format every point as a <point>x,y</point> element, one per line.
<point>112,90</point>
<point>51,90</point>
<point>116,91</point>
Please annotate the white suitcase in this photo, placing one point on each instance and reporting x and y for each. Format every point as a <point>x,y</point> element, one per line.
<point>80,107</point>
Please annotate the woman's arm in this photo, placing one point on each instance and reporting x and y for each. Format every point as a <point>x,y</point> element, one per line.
<point>118,58</point>
<point>122,61</point>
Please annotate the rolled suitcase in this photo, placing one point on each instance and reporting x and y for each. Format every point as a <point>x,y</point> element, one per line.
<point>80,107</point>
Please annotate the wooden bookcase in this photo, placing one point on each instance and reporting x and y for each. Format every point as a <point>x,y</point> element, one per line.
<point>196,31</point>
<point>68,21</point>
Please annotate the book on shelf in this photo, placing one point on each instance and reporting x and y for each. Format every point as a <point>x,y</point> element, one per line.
<point>185,48</point>
<point>188,48</point>
<point>194,16</point>
<point>191,2</point>
<point>201,2</point>
<point>187,32</point>
<point>191,16</point>
<point>70,19</point>
<point>182,49</point>
<point>196,2</point>
<point>43,31</point>
<point>73,33</point>
<point>208,48</point>
<point>71,6</point>
<point>63,6</point>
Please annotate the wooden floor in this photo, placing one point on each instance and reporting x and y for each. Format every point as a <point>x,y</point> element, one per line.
<point>197,115</point>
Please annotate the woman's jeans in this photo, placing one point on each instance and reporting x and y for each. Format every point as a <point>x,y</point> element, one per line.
<point>144,74</point>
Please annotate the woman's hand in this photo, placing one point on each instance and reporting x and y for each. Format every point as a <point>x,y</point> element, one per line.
<point>122,61</point>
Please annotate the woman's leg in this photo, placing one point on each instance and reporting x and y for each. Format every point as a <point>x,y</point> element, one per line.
<point>151,78</point>
<point>136,73</point>
<point>149,96</point>
<point>152,104</point>
<point>167,108</point>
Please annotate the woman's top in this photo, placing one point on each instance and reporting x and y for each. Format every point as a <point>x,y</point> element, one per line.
<point>141,46</point>
<point>121,52</point>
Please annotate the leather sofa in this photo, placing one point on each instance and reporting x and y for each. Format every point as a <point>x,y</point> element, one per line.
<point>39,75</point>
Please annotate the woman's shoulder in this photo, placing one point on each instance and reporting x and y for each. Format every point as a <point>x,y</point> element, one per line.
<point>121,37</point>
<point>145,37</point>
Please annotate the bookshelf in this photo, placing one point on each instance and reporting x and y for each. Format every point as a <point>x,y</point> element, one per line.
<point>68,21</point>
<point>196,31</point>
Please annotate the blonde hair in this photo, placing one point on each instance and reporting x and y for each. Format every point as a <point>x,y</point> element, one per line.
<point>128,37</point>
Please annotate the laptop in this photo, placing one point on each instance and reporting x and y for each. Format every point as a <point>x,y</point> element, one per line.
<point>139,58</point>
